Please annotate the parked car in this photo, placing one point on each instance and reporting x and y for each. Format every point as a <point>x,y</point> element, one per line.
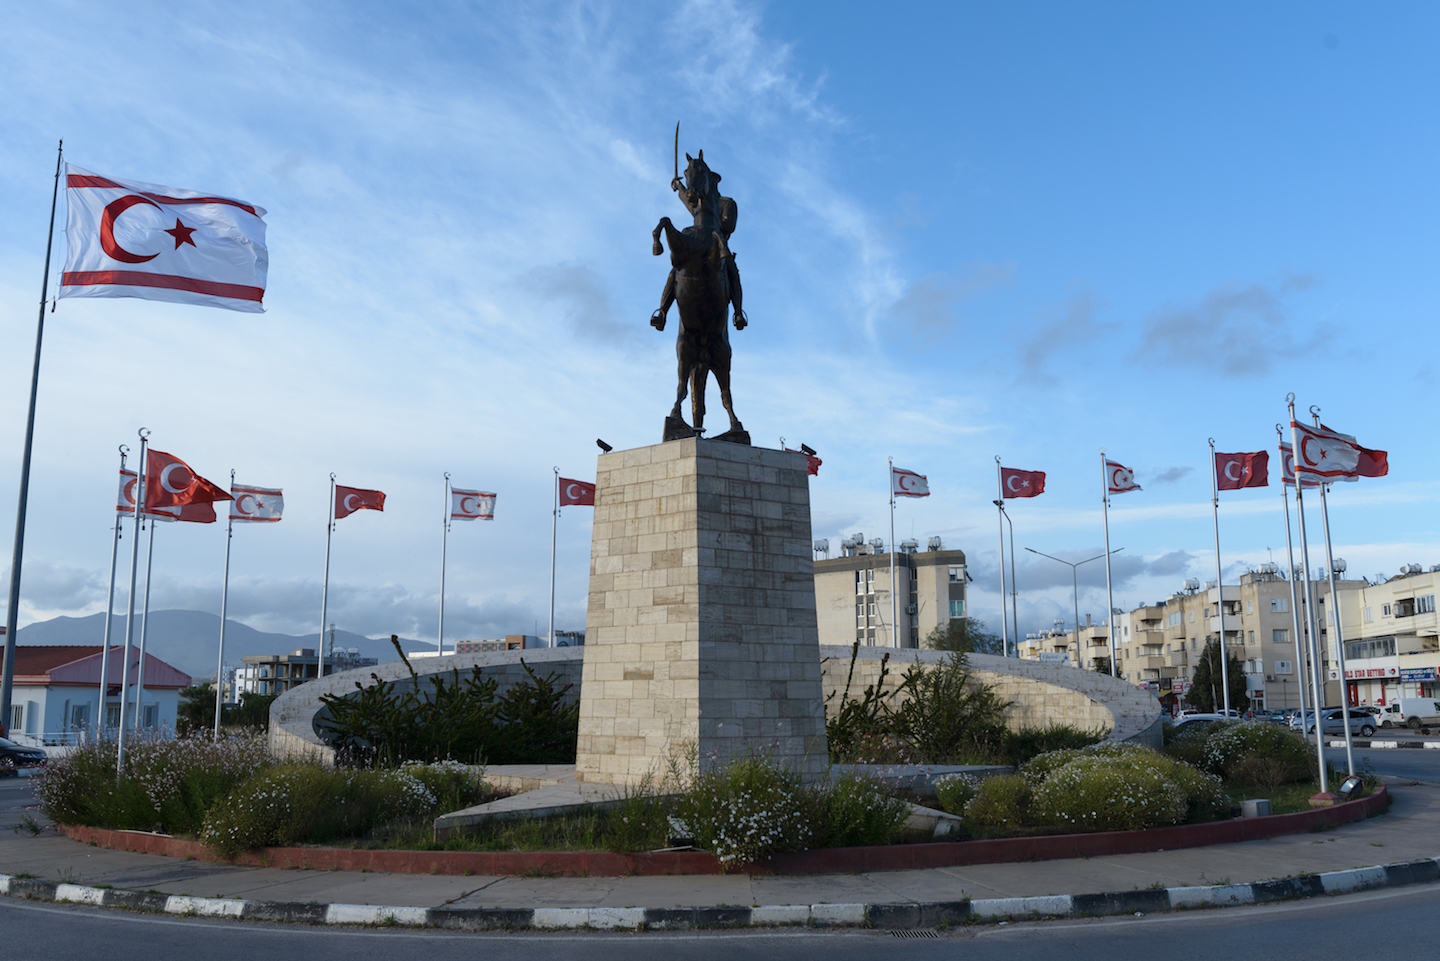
<point>1411,712</point>
<point>1190,721</point>
<point>14,756</point>
<point>1362,722</point>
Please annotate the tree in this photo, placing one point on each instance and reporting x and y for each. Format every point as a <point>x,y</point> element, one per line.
<point>196,711</point>
<point>965,635</point>
<point>1208,692</point>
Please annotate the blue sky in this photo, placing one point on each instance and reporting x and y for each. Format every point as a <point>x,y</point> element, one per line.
<point>965,231</point>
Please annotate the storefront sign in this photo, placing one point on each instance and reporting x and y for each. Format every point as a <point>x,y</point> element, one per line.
<point>1418,674</point>
<point>1369,672</point>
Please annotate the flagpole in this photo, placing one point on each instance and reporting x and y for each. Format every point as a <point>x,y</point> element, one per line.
<point>1334,607</point>
<point>1000,525</point>
<point>130,601</point>
<point>144,624</point>
<point>1290,576</point>
<point>894,600</point>
<point>109,608</point>
<point>1219,580</point>
<point>1109,596</point>
<point>1313,644</point>
<point>224,600</point>
<point>1014,584</point>
<point>444,538</point>
<point>12,611</point>
<point>554,523</point>
<point>325,585</point>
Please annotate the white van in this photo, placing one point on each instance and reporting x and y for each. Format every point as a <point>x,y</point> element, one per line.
<point>1412,712</point>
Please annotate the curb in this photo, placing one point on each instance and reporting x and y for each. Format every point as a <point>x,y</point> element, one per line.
<point>888,916</point>
<point>1386,745</point>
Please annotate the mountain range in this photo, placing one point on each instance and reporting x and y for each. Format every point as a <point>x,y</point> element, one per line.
<point>187,640</point>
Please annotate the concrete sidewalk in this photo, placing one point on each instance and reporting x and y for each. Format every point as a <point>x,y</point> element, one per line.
<point>1406,833</point>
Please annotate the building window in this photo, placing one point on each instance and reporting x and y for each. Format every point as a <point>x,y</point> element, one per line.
<point>1207,611</point>
<point>1384,610</point>
<point>1369,614</point>
<point>1280,636</point>
<point>1249,607</point>
<point>1192,644</point>
<point>1423,605</point>
<point>1283,667</point>
<point>956,574</point>
<point>1252,641</point>
<point>1175,619</point>
<point>957,609</point>
<point>1192,621</point>
<point>1278,605</point>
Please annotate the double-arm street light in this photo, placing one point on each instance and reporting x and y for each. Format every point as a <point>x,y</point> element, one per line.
<point>1075,582</point>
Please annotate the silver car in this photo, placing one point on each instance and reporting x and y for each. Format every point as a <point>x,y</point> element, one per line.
<point>1362,722</point>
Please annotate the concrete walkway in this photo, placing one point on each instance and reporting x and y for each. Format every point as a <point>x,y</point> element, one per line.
<point>1406,833</point>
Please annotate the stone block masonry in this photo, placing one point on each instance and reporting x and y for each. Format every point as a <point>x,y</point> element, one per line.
<point>700,631</point>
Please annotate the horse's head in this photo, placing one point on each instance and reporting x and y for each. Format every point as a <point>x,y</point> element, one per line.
<point>702,182</point>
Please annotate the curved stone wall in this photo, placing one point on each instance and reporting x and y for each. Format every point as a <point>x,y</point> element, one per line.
<point>1040,693</point>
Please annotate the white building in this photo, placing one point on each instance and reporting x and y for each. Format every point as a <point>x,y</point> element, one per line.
<point>1392,637</point>
<point>57,687</point>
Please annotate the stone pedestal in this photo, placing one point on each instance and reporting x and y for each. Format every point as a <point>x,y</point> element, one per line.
<point>701,624</point>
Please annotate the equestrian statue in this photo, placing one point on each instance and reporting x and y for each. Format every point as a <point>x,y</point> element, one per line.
<point>703,282</point>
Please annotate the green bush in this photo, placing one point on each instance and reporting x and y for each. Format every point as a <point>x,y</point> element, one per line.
<point>1187,744</point>
<point>947,716</point>
<point>1253,752</point>
<point>308,803</point>
<point>1026,743</point>
<point>450,717</point>
<point>166,785</point>
<point>1098,793</point>
<point>954,791</point>
<point>1040,767</point>
<point>747,810</point>
<point>855,809</point>
<point>1001,802</point>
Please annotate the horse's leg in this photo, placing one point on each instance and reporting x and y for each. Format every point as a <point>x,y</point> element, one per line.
<point>722,380</point>
<point>667,297</point>
<point>655,247</point>
<point>685,356</point>
<point>697,394</point>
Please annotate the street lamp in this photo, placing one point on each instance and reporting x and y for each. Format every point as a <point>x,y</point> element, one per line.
<point>1075,592</point>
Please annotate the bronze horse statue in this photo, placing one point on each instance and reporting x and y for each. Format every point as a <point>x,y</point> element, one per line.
<point>704,283</point>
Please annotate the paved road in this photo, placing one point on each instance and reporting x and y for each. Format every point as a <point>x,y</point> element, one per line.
<point>1422,764</point>
<point>1317,930</point>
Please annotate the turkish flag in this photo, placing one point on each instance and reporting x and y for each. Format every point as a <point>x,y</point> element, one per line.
<point>812,463</point>
<point>1373,463</point>
<point>202,512</point>
<point>348,500</point>
<point>1234,471</point>
<point>169,482</point>
<point>576,492</point>
<point>1021,483</point>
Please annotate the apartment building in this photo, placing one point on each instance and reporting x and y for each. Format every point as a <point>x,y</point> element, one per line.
<point>1088,648</point>
<point>852,591</point>
<point>278,673</point>
<point>1392,637</point>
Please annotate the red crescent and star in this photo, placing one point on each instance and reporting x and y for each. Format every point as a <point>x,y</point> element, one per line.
<point>112,247</point>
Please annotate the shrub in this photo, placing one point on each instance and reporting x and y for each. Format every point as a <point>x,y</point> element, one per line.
<point>746,810</point>
<point>854,809</point>
<point>1256,749</point>
<point>946,715</point>
<point>1024,744</point>
<point>453,717</point>
<point>295,803</point>
<point>166,784</point>
<point>1098,793</point>
<point>954,791</point>
<point>1040,767</point>
<point>1001,802</point>
<point>1187,744</point>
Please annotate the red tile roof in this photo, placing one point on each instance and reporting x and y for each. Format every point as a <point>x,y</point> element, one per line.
<point>42,658</point>
<point>79,665</point>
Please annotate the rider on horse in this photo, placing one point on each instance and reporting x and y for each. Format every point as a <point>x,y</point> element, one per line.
<point>693,198</point>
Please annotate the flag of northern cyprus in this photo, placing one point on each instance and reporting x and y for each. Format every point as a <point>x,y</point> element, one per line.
<point>256,505</point>
<point>466,505</point>
<point>124,238</point>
